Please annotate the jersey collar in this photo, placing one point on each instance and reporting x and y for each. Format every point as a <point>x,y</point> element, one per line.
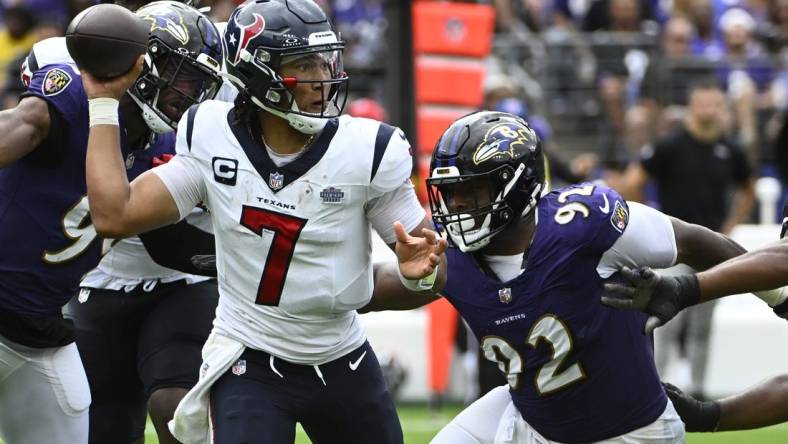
<point>276,177</point>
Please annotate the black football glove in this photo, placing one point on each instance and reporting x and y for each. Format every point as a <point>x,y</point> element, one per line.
<point>698,416</point>
<point>781,309</point>
<point>205,262</point>
<point>662,297</point>
<point>785,219</point>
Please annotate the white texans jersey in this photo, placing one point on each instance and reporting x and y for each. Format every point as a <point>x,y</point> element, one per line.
<point>293,242</point>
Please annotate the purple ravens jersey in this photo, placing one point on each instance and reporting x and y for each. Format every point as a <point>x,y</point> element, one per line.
<point>578,371</point>
<point>48,240</point>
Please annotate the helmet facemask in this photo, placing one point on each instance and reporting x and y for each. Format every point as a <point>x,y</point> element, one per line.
<point>172,81</point>
<point>313,75</point>
<point>473,208</point>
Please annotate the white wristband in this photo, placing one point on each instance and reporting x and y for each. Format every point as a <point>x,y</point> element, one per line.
<point>103,111</point>
<point>423,284</point>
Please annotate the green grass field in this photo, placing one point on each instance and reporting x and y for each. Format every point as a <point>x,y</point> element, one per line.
<point>420,425</point>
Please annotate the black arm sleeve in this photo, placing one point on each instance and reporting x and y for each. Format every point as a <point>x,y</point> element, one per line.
<point>174,245</point>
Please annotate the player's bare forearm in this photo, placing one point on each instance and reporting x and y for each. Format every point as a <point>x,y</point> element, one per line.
<point>107,183</point>
<point>761,406</point>
<point>762,269</point>
<point>23,128</point>
<point>390,294</point>
<point>701,248</point>
<point>119,209</point>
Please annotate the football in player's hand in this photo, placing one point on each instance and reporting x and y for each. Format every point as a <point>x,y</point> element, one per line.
<point>105,40</point>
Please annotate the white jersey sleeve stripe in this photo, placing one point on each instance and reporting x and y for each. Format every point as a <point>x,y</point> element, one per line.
<point>648,240</point>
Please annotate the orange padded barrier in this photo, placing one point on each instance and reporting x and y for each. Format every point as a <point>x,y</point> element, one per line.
<point>442,329</point>
<point>461,29</point>
<point>431,122</point>
<point>449,81</point>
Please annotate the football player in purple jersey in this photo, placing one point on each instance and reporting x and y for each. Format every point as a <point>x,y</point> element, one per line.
<point>526,270</point>
<point>49,241</point>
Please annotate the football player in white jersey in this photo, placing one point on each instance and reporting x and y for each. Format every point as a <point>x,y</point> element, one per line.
<point>293,191</point>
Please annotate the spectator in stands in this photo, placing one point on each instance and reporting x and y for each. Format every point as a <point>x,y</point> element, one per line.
<point>361,23</point>
<point>742,52</point>
<point>618,15</point>
<point>619,72</point>
<point>746,73</point>
<point>778,18</point>
<point>697,171</point>
<point>669,76</point>
<point>17,37</point>
<point>13,87</point>
<point>706,42</point>
<point>531,14</point>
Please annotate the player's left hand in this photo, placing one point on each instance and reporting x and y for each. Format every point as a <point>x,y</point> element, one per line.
<point>418,256</point>
<point>663,297</point>
<point>698,416</point>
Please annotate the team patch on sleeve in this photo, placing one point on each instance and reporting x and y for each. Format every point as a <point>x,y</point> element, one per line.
<point>55,81</point>
<point>620,217</point>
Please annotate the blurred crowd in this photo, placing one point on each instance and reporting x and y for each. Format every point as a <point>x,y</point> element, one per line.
<point>598,79</point>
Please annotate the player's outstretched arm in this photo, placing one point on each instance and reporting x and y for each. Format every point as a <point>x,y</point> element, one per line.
<point>761,269</point>
<point>702,248</point>
<point>23,127</point>
<point>405,285</point>
<point>763,405</point>
<point>119,209</point>
<point>663,297</point>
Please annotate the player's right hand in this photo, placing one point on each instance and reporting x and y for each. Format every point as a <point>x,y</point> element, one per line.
<point>662,297</point>
<point>113,88</point>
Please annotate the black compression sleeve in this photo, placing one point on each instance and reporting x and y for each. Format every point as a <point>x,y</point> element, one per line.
<point>174,245</point>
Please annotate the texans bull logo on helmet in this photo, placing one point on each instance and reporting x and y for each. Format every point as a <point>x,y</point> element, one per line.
<point>513,135</point>
<point>245,34</point>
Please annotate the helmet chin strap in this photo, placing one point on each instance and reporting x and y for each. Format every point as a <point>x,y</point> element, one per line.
<point>304,124</point>
<point>152,118</point>
<point>481,238</point>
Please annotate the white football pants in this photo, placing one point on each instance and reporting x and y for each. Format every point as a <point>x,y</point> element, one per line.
<point>44,395</point>
<point>494,419</point>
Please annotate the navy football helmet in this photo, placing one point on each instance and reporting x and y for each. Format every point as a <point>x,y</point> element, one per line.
<point>487,170</point>
<point>182,64</point>
<point>263,36</point>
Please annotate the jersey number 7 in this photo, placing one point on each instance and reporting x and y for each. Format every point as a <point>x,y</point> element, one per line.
<point>286,230</point>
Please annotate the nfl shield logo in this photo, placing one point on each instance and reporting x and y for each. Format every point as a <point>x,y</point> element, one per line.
<point>505,295</point>
<point>276,181</point>
<point>240,367</point>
